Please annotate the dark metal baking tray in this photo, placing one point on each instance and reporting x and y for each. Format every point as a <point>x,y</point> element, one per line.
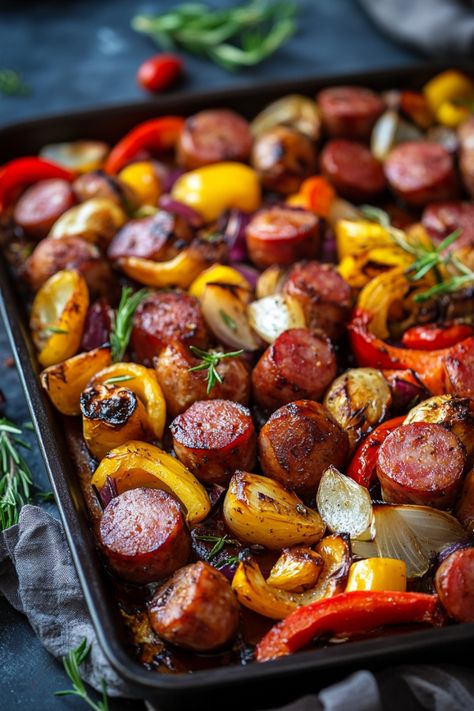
<point>255,685</point>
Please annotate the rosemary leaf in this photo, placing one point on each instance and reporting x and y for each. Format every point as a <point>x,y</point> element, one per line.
<point>123,321</point>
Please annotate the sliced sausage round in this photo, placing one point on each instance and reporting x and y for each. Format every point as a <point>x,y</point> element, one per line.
<point>54,255</point>
<point>466,154</point>
<point>163,317</point>
<point>352,169</point>
<point>213,438</point>
<point>349,111</point>
<point>459,366</point>
<point>283,158</point>
<point>147,238</point>
<point>323,294</point>
<point>97,184</point>
<point>420,172</point>
<point>298,443</point>
<point>195,609</point>
<point>143,535</point>
<point>300,364</point>
<point>421,463</point>
<point>42,204</point>
<point>454,582</point>
<point>182,386</point>
<point>442,218</point>
<point>213,136</point>
<point>281,235</point>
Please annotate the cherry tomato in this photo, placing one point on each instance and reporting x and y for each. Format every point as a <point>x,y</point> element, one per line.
<point>159,72</point>
<point>431,337</point>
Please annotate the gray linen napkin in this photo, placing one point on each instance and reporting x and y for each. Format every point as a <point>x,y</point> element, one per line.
<point>38,578</point>
<point>437,27</point>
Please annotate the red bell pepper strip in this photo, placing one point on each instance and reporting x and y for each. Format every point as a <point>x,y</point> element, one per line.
<point>372,352</point>
<point>155,135</point>
<point>430,337</point>
<point>19,173</point>
<point>363,465</point>
<point>351,612</point>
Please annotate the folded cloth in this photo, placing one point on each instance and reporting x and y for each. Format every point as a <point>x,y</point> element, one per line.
<point>436,27</point>
<point>37,576</point>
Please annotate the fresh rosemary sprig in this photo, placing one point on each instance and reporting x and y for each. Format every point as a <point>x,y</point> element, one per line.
<point>119,379</point>
<point>72,662</point>
<point>230,560</point>
<point>219,543</point>
<point>240,36</point>
<point>123,321</point>
<point>15,476</point>
<point>209,361</point>
<point>427,257</point>
<point>12,84</point>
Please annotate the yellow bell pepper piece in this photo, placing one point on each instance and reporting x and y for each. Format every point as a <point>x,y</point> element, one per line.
<point>447,86</point>
<point>58,315</point>
<point>217,274</point>
<point>138,464</point>
<point>214,188</point>
<point>65,381</point>
<point>141,177</point>
<point>452,114</point>
<point>354,237</point>
<point>180,271</point>
<point>144,383</point>
<point>298,200</point>
<point>377,574</point>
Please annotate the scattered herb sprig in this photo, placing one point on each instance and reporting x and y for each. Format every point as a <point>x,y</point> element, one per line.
<point>219,543</point>
<point>12,84</point>
<point>229,560</point>
<point>236,37</point>
<point>72,662</point>
<point>209,361</point>
<point>123,321</point>
<point>15,476</point>
<point>427,257</point>
<point>119,379</point>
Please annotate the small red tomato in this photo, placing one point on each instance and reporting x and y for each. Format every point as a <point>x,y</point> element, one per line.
<point>159,72</point>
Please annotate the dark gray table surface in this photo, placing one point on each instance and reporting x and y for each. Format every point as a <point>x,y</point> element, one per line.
<point>76,54</point>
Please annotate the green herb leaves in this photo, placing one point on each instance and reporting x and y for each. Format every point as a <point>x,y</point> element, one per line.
<point>15,476</point>
<point>123,321</point>
<point>72,662</point>
<point>12,84</point>
<point>427,257</point>
<point>209,361</point>
<point>237,37</point>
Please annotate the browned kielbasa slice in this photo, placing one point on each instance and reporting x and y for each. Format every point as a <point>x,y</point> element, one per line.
<point>213,438</point>
<point>42,204</point>
<point>98,184</point>
<point>53,255</point>
<point>465,504</point>
<point>163,317</point>
<point>281,235</point>
<point>420,172</point>
<point>298,443</point>
<point>442,218</point>
<point>283,158</point>
<point>147,238</point>
<point>143,535</point>
<point>323,294</point>
<point>195,609</point>
<point>454,582</point>
<point>214,136</point>
<point>421,463</point>
<point>182,386</point>
<point>298,365</point>
<point>460,368</point>
<point>466,154</point>
<point>349,111</point>
<point>352,169</point>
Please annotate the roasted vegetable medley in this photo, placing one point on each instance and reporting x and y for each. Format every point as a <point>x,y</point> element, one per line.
<point>265,331</point>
